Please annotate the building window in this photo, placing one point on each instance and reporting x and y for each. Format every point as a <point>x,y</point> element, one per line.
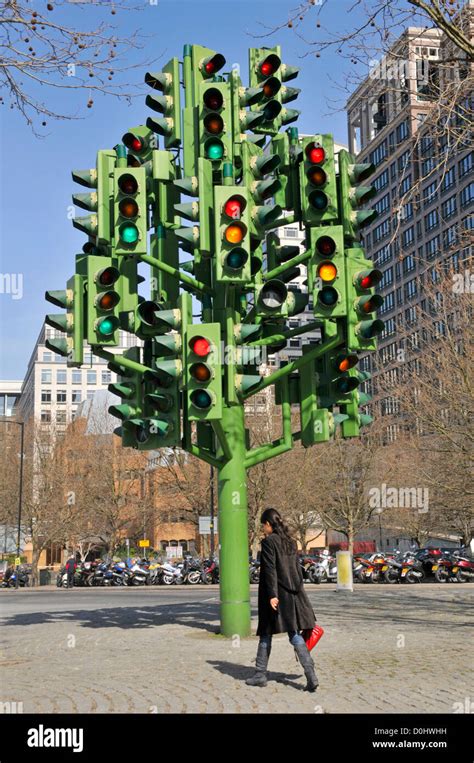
<point>448,207</point>
<point>383,204</point>
<point>388,303</point>
<point>411,289</point>
<point>467,195</point>
<point>405,185</point>
<point>403,161</point>
<point>77,376</point>
<point>381,181</point>
<point>47,357</point>
<point>61,376</point>
<point>431,220</point>
<point>382,255</point>
<point>409,264</point>
<point>90,394</point>
<point>448,180</point>
<point>387,279</point>
<point>106,377</point>
<point>379,154</point>
<point>381,231</point>
<point>45,396</point>
<point>61,417</point>
<point>466,164</point>
<point>402,131</point>
<point>61,396</point>
<point>430,193</point>
<point>408,236</point>
<point>290,232</point>
<point>45,417</point>
<point>46,376</point>
<point>76,396</point>
<point>91,377</point>
<point>393,171</point>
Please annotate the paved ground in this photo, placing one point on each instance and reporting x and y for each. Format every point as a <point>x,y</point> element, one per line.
<point>386,649</point>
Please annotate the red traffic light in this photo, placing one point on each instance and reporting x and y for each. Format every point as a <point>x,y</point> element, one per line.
<point>326,246</point>
<point>269,65</point>
<point>212,64</point>
<point>200,346</point>
<point>315,154</point>
<point>134,142</point>
<point>107,276</point>
<point>234,207</point>
<point>367,279</point>
<point>213,99</point>
<point>128,184</point>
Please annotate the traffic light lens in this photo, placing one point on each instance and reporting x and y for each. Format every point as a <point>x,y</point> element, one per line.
<point>317,176</point>
<point>236,259</point>
<point>270,65</point>
<point>328,296</point>
<point>200,346</point>
<point>271,110</point>
<point>345,362</point>
<point>128,208</point>
<point>234,207</point>
<point>108,300</point>
<point>326,246</point>
<point>318,200</point>
<point>213,99</point>
<point>201,399</point>
<point>128,184</point>
<point>214,124</point>
<point>235,233</point>
<point>315,154</point>
<point>371,279</point>
<point>136,144</point>
<point>107,326</point>
<point>271,87</point>
<point>327,271</point>
<point>107,277</point>
<point>214,150</point>
<point>347,384</point>
<point>128,233</point>
<point>200,372</point>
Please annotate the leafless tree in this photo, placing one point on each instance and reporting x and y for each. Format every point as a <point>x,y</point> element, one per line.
<point>46,47</point>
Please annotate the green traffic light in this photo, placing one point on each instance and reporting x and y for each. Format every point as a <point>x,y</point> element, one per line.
<point>128,233</point>
<point>201,399</point>
<point>214,150</point>
<point>236,259</point>
<point>107,326</point>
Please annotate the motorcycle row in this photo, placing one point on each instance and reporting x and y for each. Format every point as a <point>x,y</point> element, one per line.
<point>143,572</point>
<point>429,564</point>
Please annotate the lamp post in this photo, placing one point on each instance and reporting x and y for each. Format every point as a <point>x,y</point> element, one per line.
<point>20,491</point>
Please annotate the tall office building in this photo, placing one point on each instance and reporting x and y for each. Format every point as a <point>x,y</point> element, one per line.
<point>425,186</point>
<point>52,392</point>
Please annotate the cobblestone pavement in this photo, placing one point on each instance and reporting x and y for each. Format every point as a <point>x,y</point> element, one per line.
<point>386,649</point>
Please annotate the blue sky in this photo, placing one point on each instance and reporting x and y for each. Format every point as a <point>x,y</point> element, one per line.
<point>37,238</point>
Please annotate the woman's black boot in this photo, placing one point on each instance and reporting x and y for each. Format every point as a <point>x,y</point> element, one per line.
<point>306,661</point>
<point>261,662</point>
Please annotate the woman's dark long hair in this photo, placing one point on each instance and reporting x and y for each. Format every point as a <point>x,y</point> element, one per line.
<point>274,518</point>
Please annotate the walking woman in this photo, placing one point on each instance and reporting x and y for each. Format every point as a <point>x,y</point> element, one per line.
<point>283,606</point>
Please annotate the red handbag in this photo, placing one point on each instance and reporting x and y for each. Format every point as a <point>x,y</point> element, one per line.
<point>312,636</point>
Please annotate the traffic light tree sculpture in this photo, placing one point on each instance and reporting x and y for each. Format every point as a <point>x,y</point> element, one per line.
<point>202,213</point>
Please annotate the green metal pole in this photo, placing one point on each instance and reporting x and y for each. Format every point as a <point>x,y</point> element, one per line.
<point>233,529</point>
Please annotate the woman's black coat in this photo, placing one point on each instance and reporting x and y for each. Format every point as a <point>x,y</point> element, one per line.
<point>281,577</point>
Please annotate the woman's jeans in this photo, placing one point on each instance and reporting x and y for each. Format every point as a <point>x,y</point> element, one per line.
<point>293,636</point>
